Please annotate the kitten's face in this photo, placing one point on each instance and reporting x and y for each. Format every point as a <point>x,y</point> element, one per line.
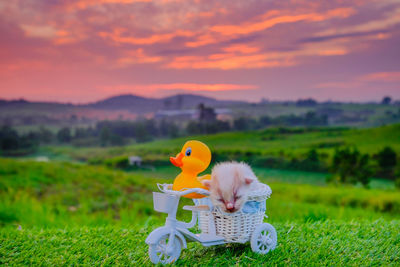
<point>229,189</point>
<point>229,200</point>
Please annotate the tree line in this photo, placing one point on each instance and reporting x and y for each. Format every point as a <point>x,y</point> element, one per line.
<point>120,132</point>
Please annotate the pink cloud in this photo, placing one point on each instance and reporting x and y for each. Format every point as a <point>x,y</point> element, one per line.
<point>363,80</point>
<point>268,20</point>
<point>119,36</point>
<point>177,86</point>
<point>393,76</point>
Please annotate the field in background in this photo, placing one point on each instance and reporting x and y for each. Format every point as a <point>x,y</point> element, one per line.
<point>285,142</point>
<point>27,116</point>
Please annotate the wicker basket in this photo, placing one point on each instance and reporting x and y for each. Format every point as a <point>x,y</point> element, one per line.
<point>237,227</point>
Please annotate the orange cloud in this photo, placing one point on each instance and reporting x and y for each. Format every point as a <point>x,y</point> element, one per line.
<point>62,34</point>
<point>363,80</point>
<point>205,14</point>
<point>392,18</point>
<point>117,37</point>
<point>137,56</point>
<point>251,27</point>
<point>268,20</point>
<point>180,86</point>
<point>333,52</point>
<point>39,31</point>
<point>249,57</point>
<point>382,77</point>
<point>229,61</point>
<point>241,48</point>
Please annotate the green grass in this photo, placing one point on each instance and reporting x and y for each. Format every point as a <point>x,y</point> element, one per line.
<point>64,194</point>
<point>332,243</point>
<point>264,142</point>
<point>63,213</point>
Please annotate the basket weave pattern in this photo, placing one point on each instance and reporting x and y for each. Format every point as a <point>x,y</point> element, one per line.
<point>236,227</point>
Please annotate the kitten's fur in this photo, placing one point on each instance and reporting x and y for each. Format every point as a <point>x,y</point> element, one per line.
<point>230,184</point>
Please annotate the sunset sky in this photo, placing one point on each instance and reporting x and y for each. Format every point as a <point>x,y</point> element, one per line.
<point>86,50</point>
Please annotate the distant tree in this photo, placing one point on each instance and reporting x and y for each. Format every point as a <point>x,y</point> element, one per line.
<point>397,175</point>
<point>11,143</point>
<point>46,136</point>
<point>9,139</point>
<point>312,119</point>
<point>193,128</point>
<point>64,135</point>
<point>241,124</point>
<point>290,120</point>
<point>312,155</point>
<point>172,130</point>
<point>223,126</point>
<point>32,138</point>
<point>152,128</point>
<point>216,127</point>
<point>105,136</point>
<point>168,128</point>
<point>311,162</point>
<point>350,166</point>
<point>81,133</point>
<point>306,102</point>
<point>386,100</point>
<point>141,132</point>
<point>265,121</point>
<point>387,160</point>
<point>116,140</point>
<point>206,114</point>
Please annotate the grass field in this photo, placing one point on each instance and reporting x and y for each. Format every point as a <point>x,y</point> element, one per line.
<point>331,243</point>
<point>61,213</point>
<point>273,142</point>
<point>69,212</point>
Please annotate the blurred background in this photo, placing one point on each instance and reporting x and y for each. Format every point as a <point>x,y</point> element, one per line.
<point>96,95</point>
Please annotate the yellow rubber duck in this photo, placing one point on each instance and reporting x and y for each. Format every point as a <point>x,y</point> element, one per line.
<point>194,158</point>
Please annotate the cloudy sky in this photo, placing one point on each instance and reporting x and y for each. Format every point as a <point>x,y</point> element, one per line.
<point>85,50</point>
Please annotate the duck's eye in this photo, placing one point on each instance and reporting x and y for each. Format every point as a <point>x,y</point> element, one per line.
<point>188,151</point>
<point>221,200</point>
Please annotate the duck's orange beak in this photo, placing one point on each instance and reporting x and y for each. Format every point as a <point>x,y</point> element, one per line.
<point>177,161</point>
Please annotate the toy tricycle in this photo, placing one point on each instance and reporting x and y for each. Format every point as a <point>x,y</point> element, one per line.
<point>217,227</point>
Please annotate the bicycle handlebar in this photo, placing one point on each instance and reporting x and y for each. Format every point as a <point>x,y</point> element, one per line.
<point>165,188</point>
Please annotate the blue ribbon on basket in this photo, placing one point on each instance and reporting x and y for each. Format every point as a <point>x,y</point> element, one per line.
<point>253,207</point>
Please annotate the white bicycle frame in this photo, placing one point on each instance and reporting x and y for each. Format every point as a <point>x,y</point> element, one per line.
<point>167,202</point>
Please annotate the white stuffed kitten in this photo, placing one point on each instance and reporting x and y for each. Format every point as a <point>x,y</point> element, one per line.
<point>230,184</point>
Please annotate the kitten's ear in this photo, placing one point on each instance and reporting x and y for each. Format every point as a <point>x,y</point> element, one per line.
<point>206,183</point>
<point>248,181</point>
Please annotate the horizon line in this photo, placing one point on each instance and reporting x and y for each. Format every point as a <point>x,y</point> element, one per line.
<point>261,99</point>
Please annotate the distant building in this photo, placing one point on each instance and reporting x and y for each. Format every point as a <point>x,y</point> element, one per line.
<point>176,114</point>
<point>192,114</point>
<point>206,113</point>
<point>42,159</point>
<point>135,161</point>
